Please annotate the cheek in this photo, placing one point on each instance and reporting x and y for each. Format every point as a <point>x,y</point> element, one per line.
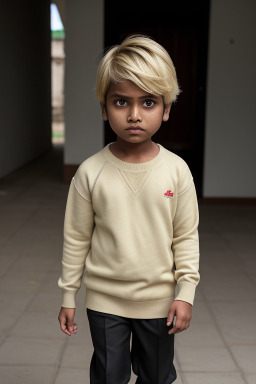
<point>155,118</point>
<point>116,117</point>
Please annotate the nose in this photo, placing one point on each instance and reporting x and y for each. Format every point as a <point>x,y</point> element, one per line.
<point>134,114</point>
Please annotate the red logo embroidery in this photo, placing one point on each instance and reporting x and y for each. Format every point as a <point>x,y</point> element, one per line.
<point>168,194</point>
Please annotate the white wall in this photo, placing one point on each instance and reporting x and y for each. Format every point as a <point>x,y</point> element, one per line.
<point>230,152</point>
<point>58,70</point>
<point>84,48</point>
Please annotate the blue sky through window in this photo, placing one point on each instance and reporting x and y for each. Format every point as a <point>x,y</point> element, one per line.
<point>56,23</point>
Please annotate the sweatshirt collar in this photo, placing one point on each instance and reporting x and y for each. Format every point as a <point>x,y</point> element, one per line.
<point>134,167</point>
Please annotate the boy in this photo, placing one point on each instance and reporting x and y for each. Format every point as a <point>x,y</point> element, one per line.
<point>131,223</point>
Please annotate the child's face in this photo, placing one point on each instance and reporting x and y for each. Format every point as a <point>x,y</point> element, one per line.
<point>133,114</point>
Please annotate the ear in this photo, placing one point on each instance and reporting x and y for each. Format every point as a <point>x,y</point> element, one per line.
<point>167,112</point>
<point>104,111</point>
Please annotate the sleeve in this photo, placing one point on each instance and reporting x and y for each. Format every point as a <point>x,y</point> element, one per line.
<point>185,244</point>
<point>78,228</point>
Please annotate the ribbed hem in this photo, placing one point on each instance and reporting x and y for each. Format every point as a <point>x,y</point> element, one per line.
<point>186,292</point>
<point>133,167</point>
<point>132,309</point>
<point>69,299</point>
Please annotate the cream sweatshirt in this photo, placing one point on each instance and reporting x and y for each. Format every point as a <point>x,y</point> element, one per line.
<point>133,229</point>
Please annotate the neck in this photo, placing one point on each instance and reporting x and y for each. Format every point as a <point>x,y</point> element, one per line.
<point>134,152</point>
<point>134,149</point>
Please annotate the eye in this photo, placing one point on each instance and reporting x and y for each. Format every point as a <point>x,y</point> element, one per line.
<point>149,103</point>
<point>120,103</point>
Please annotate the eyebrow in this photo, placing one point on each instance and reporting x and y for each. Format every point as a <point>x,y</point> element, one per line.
<point>120,96</point>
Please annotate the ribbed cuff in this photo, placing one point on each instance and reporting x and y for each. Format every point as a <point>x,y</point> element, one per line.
<point>186,292</point>
<point>68,299</point>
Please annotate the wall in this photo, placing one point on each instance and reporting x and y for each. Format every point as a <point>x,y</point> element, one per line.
<point>25,68</point>
<point>231,91</point>
<point>230,155</point>
<point>84,48</point>
<point>58,70</point>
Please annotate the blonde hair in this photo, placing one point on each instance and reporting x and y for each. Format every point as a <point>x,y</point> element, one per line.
<point>144,62</point>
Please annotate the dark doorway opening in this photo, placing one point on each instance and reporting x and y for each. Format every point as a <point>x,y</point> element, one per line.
<point>182,28</point>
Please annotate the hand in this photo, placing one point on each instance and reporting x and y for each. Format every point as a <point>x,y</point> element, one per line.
<point>66,319</point>
<point>183,312</point>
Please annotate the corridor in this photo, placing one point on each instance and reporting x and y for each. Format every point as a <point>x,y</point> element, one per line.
<point>218,348</point>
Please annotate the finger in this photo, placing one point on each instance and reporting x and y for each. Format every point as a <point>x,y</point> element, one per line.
<point>74,329</point>
<point>67,332</point>
<point>63,327</point>
<point>176,327</point>
<point>170,318</point>
<point>173,330</point>
<point>187,324</point>
<point>70,325</point>
<point>179,328</point>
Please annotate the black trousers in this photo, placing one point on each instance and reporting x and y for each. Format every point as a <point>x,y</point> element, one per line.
<point>151,353</point>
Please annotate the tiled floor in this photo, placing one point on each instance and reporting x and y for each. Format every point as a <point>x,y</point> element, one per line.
<point>218,348</point>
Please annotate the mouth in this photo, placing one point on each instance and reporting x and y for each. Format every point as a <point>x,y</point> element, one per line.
<point>135,129</point>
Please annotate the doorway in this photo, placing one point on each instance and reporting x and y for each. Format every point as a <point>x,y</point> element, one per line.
<point>182,28</point>
<point>57,75</point>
